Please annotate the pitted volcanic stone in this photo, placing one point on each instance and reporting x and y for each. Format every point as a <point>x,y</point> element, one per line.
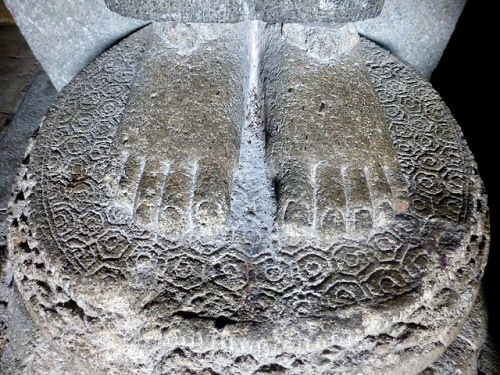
<point>239,10</point>
<point>106,285</point>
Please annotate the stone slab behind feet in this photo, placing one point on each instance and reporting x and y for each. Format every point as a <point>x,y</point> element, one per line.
<point>415,31</point>
<point>273,11</point>
<point>67,35</point>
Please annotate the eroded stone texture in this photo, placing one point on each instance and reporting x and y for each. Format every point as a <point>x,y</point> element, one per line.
<point>14,140</point>
<point>240,10</point>
<point>104,284</point>
<point>462,357</point>
<point>489,361</point>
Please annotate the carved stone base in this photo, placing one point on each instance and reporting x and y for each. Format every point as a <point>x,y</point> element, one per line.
<point>132,254</point>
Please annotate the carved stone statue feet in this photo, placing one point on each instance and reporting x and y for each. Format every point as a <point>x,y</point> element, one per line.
<point>130,254</point>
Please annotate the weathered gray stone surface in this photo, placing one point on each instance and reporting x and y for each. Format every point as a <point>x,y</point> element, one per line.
<point>18,333</point>
<point>14,140</point>
<point>416,31</point>
<point>463,356</point>
<point>115,293</point>
<point>239,10</point>
<point>67,35</point>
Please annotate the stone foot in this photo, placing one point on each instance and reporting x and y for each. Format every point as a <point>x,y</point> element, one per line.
<point>329,146</point>
<point>179,139</point>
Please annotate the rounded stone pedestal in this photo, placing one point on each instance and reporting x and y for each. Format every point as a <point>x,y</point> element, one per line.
<point>116,292</point>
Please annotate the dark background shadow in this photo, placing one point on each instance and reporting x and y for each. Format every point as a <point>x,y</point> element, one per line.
<point>463,77</point>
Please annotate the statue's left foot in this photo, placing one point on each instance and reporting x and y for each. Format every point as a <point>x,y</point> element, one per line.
<point>330,149</point>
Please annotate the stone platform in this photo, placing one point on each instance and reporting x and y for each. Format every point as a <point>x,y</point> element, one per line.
<point>375,282</point>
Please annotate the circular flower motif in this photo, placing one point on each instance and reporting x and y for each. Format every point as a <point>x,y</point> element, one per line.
<point>90,99</point>
<point>68,114</point>
<point>115,90</point>
<point>118,215</point>
<point>453,156</point>
<point>185,271</point>
<point>83,123</point>
<point>313,269</point>
<point>415,262</point>
<point>386,96</point>
<point>104,130</point>
<point>422,92</point>
<point>436,111</point>
<point>100,151</point>
<point>396,86</point>
<point>351,260</point>
<point>58,136</point>
<point>76,145</point>
<point>231,272</point>
<point>274,273</point>
<point>304,304</point>
<point>430,162</point>
<point>124,75</point>
<point>394,113</point>
<point>426,142</point>
<point>422,204</point>
<point>86,256</point>
<point>445,132</point>
<point>113,245</point>
<point>407,165</point>
<point>407,76</point>
<point>406,148</point>
<point>75,242</point>
<point>92,223</point>
<point>387,245</point>
<point>411,104</point>
<point>387,283</point>
<point>343,293</point>
<point>109,108</point>
<point>422,124</point>
<point>382,71</point>
<point>109,68</point>
<point>449,207</point>
<point>454,180</point>
<point>64,218</point>
<point>428,182</point>
<point>143,259</point>
<point>401,129</point>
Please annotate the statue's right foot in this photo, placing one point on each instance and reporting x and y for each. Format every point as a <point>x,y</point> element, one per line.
<point>179,137</point>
